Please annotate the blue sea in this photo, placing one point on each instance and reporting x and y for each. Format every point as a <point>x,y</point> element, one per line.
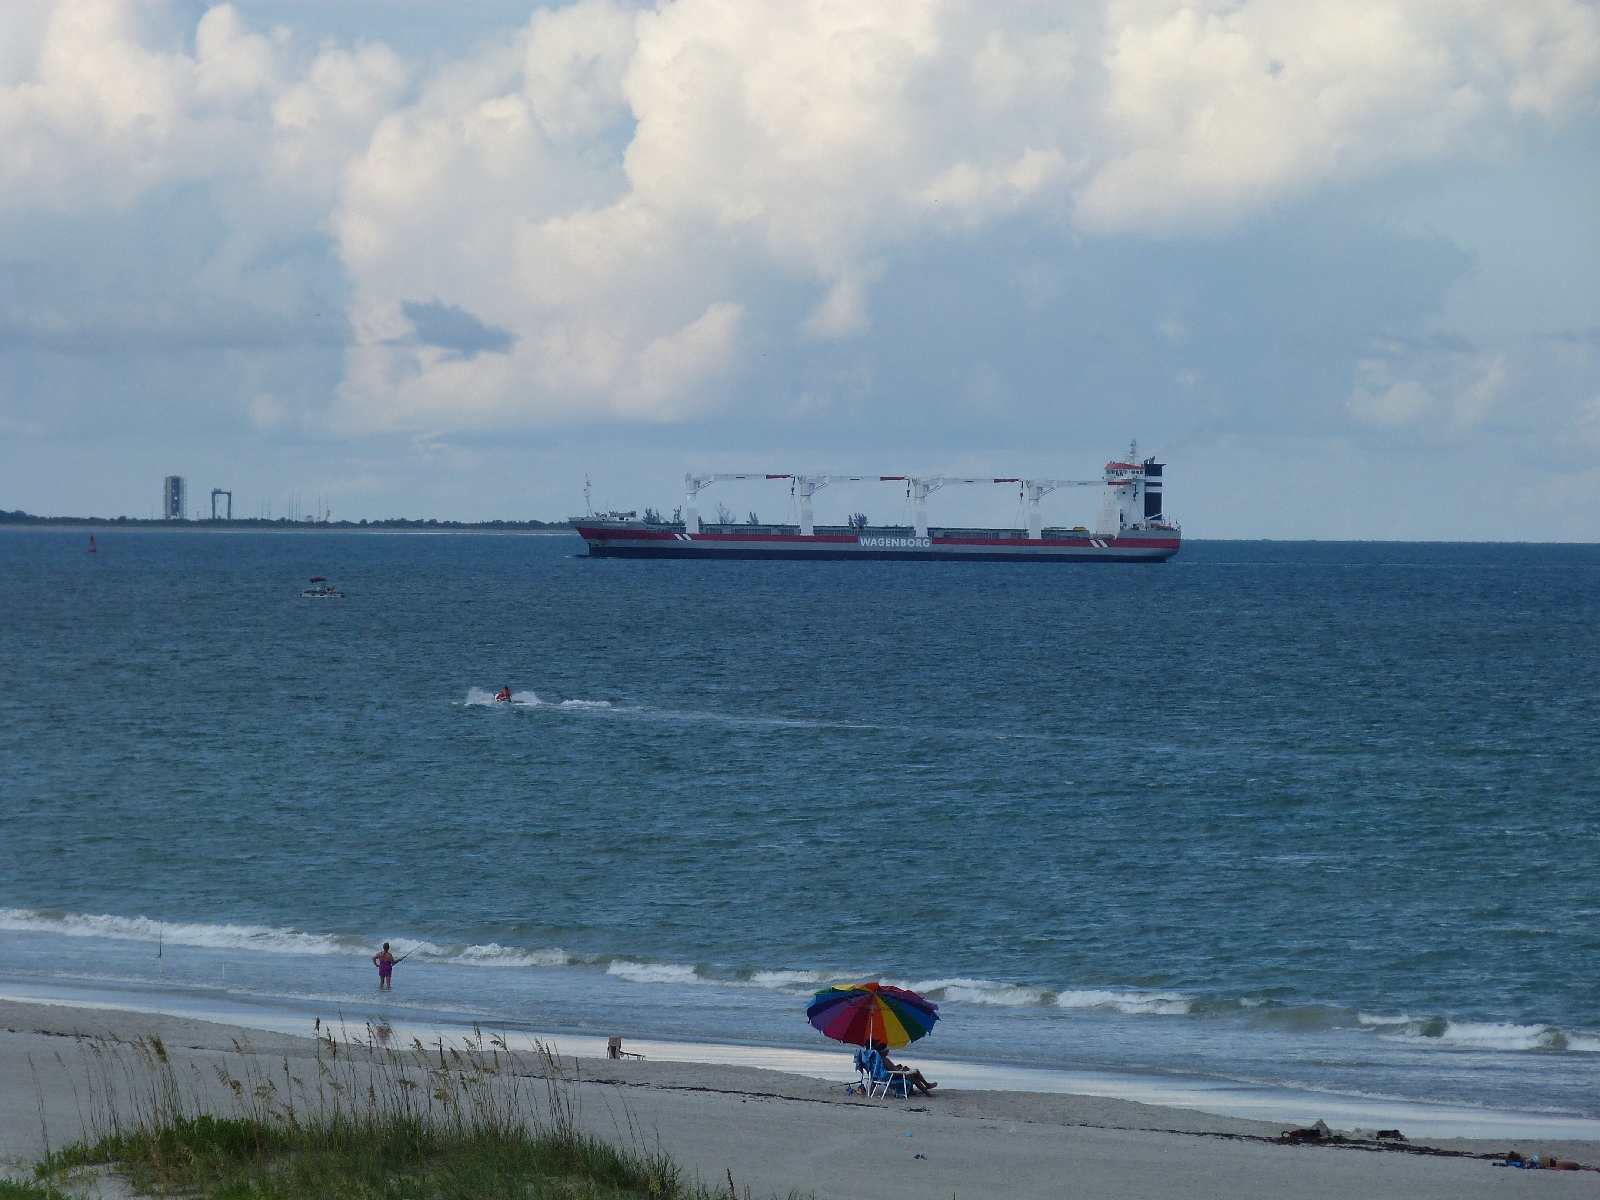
<point>1311,816</point>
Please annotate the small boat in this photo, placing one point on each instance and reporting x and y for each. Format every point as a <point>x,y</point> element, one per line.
<point>321,589</point>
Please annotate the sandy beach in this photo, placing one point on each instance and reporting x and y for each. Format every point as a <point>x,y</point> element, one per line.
<point>779,1133</point>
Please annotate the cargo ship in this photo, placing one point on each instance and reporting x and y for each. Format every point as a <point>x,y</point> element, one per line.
<point>1130,527</point>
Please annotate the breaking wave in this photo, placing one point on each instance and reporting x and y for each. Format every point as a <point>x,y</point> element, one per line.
<point>808,980</point>
<point>1479,1035</point>
<point>1160,1004</point>
<point>265,939</point>
<point>1012,995</point>
<point>638,972</point>
<point>978,991</point>
<point>261,938</point>
<point>1414,1031</point>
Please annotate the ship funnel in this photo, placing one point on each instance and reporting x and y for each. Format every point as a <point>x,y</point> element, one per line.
<point>1152,489</point>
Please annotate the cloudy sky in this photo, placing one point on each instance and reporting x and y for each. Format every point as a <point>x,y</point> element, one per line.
<point>1337,263</point>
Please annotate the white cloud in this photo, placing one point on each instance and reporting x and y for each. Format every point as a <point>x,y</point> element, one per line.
<point>1035,69</point>
<point>102,118</point>
<point>1462,398</point>
<point>976,193</point>
<point>1214,113</point>
<point>623,192</point>
<point>670,367</point>
<point>1403,403</point>
<point>1475,399</point>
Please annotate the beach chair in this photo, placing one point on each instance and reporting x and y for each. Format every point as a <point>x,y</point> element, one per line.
<point>863,1076</point>
<point>614,1048</point>
<point>880,1079</point>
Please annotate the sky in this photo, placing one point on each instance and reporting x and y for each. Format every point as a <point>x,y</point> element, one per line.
<point>1336,263</point>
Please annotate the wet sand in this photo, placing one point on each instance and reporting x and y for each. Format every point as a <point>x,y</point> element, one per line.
<point>777,1132</point>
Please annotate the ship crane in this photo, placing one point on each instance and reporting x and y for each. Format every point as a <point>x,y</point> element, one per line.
<point>693,485</point>
<point>805,486</point>
<point>1037,489</point>
<point>917,490</point>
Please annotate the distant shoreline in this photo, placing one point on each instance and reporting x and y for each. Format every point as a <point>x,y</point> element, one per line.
<point>23,520</point>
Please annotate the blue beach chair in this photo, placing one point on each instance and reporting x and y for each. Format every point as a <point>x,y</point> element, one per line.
<point>863,1076</point>
<point>880,1079</point>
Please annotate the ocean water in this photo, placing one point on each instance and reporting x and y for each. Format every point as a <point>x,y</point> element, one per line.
<point>1311,816</point>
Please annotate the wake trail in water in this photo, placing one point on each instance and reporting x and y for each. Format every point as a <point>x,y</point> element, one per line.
<point>478,697</point>
<point>482,698</point>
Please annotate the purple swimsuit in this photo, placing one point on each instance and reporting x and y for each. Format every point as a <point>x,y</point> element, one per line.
<point>384,968</point>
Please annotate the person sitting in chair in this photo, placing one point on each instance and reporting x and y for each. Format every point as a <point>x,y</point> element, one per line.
<point>913,1076</point>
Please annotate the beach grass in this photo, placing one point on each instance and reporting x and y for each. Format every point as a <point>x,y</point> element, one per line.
<point>241,1158</point>
<point>430,1122</point>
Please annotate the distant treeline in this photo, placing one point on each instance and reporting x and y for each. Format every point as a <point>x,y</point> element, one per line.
<point>22,518</point>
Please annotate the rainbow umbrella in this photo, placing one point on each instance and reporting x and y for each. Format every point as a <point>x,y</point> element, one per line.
<point>861,1013</point>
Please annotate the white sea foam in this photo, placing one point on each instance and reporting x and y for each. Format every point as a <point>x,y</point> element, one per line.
<point>978,991</point>
<point>261,938</point>
<point>1483,1035</point>
<point>792,979</point>
<point>265,939</point>
<point>496,955</point>
<point>1160,1004</point>
<point>586,704</point>
<point>638,972</point>
<point>1379,1021</point>
<point>1477,1035</point>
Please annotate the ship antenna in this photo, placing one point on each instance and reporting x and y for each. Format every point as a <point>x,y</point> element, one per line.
<point>588,504</point>
<point>1133,451</point>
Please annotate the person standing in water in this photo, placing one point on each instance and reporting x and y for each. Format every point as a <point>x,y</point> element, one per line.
<point>385,964</point>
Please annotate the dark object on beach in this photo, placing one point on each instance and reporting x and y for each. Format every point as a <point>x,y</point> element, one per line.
<point>614,1048</point>
<point>1389,1135</point>
<point>1533,1162</point>
<point>1311,1133</point>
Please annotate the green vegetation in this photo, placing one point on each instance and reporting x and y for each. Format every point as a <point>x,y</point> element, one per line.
<point>468,1122</point>
<point>240,1158</point>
